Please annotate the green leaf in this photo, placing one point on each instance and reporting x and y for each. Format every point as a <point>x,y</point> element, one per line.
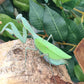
<point>60,2</point>
<point>71,4</point>
<point>57,2</point>
<point>76,32</point>
<point>70,67</point>
<point>77,20</point>
<point>81,3</point>
<point>54,24</point>
<point>36,15</point>
<point>64,1</point>
<point>79,73</point>
<point>23,5</point>
<point>7,8</point>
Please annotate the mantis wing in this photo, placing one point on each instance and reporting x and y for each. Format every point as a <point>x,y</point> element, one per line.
<point>52,51</point>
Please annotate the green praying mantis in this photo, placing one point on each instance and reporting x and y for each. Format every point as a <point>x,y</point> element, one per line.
<point>52,54</point>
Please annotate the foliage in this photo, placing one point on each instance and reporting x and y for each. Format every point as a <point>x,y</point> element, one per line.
<point>76,32</point>
<point>79,73</point>
<point>7,8</point>
<point>23,5</point>
<point>64,19</point>
<point>52,25</point>
<point>36,17</point>
<point>71,4</point>
<point>60,2</point>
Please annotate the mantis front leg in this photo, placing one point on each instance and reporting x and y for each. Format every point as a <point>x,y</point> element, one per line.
<point>15,31</point>
<point>26,52</point>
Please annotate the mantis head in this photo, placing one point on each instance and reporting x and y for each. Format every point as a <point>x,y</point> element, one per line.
<point>18,18</point>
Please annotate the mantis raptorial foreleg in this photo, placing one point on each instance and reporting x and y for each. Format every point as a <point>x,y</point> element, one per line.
<point>15,31</point>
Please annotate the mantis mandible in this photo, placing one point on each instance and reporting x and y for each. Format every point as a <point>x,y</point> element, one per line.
<point>52,54</point>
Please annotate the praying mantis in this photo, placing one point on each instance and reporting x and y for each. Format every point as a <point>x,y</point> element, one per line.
<point>51,53</point>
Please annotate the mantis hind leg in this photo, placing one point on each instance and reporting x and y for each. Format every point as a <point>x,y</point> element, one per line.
<point>48,60</point>
<point>46,56</point>
<point>51,37</point>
